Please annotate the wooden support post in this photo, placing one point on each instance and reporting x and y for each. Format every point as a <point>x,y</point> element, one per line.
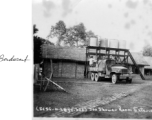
<point>61,67</point>
<point>51,75</point>
<point>76,70</point>
<point>55,84</point>
<point>85,69</point>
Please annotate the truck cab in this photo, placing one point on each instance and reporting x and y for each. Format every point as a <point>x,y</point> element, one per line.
<point>109,69</point>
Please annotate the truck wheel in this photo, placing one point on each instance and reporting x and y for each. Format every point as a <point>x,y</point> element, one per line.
<point>92,76</point>
<point>96,77</point>
<point>114,78</point>
<point>129,80</point>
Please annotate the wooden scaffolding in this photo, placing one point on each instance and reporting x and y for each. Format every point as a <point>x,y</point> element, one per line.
<point>120,56</point>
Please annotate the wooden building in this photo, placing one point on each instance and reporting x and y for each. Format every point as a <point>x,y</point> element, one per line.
<point>148,69</point>
<point>67,62</point>
<point>141,62</point>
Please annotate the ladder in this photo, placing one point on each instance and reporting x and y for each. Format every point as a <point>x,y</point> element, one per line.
<point>119,58</point>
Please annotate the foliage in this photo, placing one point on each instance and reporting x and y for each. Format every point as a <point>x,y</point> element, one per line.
<point>147,51</point>
<point>80,33</point>
<point>35,30</point>
<point>58,31</point>
<point>37,43</point>
<point>90,34</point>
<point>73,36</point>
<point>70,36</point>
<point>37,50</point>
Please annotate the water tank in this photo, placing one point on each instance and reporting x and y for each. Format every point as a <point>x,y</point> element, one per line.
<point>103,42</point>
<point>93,41</point>
<point>113,43</point>
<point>122,44</point>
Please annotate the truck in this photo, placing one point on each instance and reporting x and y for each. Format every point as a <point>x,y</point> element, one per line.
<point>109,63</point>
<point>108,68</point>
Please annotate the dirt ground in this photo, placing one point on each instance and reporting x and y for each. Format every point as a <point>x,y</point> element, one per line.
<point>137,105</point>
<point>81,91</point>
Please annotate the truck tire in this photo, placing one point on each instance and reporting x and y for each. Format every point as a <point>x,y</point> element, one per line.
<point>96,77</point>
<point>114,78</point>
<point>128,80</point>
<point>92,76</point>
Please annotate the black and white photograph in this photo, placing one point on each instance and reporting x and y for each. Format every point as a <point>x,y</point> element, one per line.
<point>92,59</point>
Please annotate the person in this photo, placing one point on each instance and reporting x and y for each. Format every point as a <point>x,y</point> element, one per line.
<point>99,60</point>
<point>91,61</point>
<point>41,70</point>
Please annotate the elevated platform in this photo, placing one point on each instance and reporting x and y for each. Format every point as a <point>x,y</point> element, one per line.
<point>118,54</point>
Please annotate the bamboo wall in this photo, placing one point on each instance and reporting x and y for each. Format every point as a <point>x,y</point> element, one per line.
<point>47,68</point>
<point>66,69</point>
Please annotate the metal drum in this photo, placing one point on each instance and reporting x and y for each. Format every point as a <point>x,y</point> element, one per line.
<point>93,42</point>
<point>103,43</point>
<point>113,44</point>
<point>122,45</point>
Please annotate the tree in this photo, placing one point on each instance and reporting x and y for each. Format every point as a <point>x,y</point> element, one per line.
<point>147,51</point>
<point>75,34</point>
<point>35,30</point>
<point>58,31</point>
<point>37,50</point>
<point>71,36</point>
<point>80,33</point>
<point>90,34</point>
<point>37,43</point>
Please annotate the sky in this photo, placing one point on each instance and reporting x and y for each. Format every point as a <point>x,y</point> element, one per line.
<point>128,20</point>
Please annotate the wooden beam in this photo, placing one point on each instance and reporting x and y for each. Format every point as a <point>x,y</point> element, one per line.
<point>76,70</point>
<point>49,80</point>
<point>104,54</point>
<point>107,48</point>
<point>134,62</point>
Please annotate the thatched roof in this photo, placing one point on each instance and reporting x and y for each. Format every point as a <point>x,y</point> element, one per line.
<point>139,58</point>
<point>67,53</point>
<point>77,54</point>
<point>149,61</point>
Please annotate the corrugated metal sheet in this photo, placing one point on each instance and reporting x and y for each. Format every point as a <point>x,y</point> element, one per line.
<point>139,58</point>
